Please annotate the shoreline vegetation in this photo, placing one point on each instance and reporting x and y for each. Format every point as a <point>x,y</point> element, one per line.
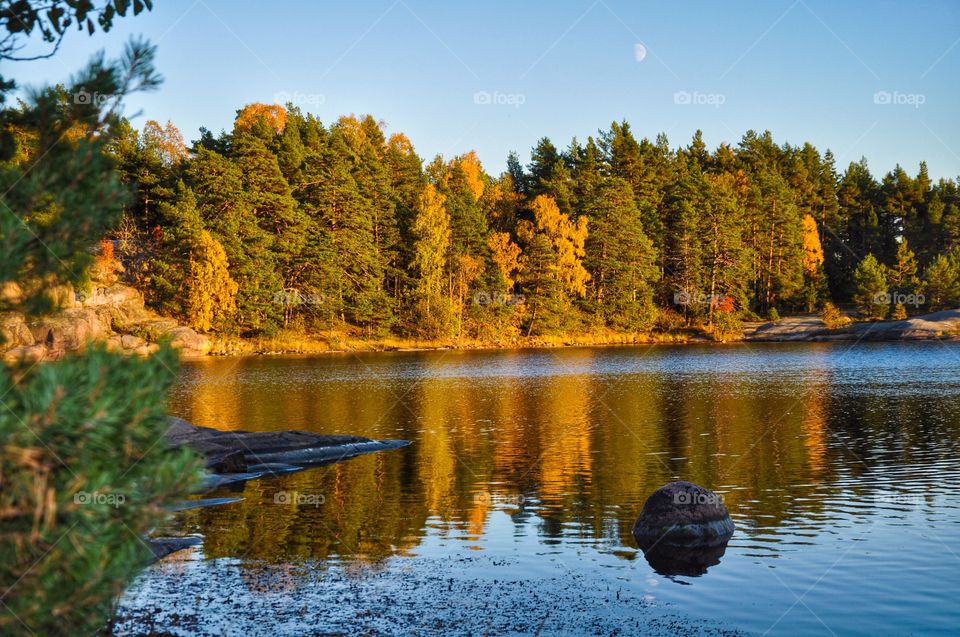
<point>116,315</point>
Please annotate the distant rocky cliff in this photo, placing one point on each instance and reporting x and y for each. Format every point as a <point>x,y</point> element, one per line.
<point>112,313</point>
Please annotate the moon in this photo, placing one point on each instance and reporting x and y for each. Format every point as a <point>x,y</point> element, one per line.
<point>639,51</point>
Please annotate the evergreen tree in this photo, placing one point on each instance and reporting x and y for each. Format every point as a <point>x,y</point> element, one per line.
<point>725,256</point>
<point>871,292</point>
<point>902,275</point>
<point>941,282</point>
<point>620,258</point>
<point>683,262</point>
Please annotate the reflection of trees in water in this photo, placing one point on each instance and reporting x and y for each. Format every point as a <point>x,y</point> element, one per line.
<point>581,452</point>
<point>564,461</point>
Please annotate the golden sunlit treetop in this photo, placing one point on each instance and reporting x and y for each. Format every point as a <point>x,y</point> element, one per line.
<point>274,114</point>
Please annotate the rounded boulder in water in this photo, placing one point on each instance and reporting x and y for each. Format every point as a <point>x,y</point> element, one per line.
<point>683,514</point>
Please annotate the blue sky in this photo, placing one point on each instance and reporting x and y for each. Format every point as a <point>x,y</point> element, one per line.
<point>875,79</point>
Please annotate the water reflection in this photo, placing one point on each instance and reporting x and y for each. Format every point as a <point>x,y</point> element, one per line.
<point>570,441</point>
<point>691,561</point>
<point>837,464</point>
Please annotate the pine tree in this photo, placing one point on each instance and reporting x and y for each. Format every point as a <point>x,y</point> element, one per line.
<point>620,258</point>
<point>902,275</point>
<point>683,260</point>
<point>941,282</point>
<point>356,290</point>
<point>67,547</point>
<point>871,288</point>
<point>229,214</point>
<point>726,258</point>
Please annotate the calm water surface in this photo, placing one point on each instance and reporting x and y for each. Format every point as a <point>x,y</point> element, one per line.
<point>838,464</point>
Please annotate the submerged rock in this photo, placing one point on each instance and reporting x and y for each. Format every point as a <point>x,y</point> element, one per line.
<point>683,514</point>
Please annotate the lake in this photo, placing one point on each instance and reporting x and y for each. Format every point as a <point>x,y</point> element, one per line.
<point>511,511</point>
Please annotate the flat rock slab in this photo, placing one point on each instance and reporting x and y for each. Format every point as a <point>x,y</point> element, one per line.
<point>938,325</point>
<point>238,451</point>
<point>164,546</point>
<point>187,505</point>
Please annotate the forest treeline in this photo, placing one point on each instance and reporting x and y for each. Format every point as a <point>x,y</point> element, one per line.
<point>285,222</point>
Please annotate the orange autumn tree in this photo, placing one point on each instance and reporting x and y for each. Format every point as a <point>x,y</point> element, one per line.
<point>212,293</point>
<point>274,114</point>
<point>812,262</point>
<point>812,249</point>
<point>472,171</point>
<point>552,264</point>
<point>166,141</point>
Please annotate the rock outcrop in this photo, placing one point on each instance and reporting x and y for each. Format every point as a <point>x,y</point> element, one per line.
<point>943,325</point>
<point>112,313</point>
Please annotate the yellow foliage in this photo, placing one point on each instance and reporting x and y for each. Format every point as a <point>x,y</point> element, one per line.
<point>500,204</point>
<point>432,230</point>
<point>470,165</point>
<point>275,115</point>
<point>812,250</point>
<point>401,143</point>
<point>165,140</point>
<point>568,239</point>
<point>506,256</point>
<point>212,293</point>
<point>469,269</point>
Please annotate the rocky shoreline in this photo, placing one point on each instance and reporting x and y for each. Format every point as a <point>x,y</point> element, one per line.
<point>116,314</point>
<point>943,325</point>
